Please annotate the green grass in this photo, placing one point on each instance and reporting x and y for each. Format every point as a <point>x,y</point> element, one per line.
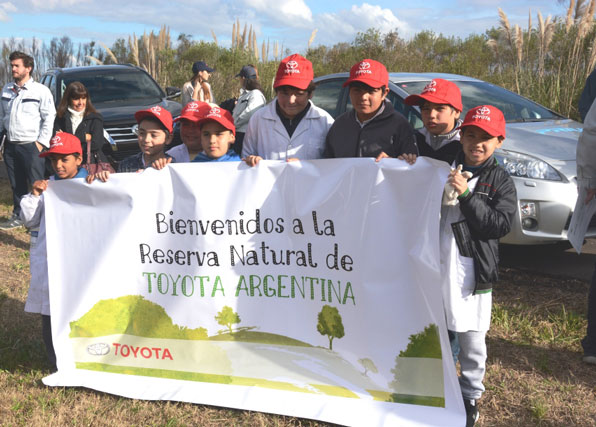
<point>527,326</point>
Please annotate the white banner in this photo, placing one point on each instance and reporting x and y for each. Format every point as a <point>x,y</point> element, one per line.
<point>309,289</point>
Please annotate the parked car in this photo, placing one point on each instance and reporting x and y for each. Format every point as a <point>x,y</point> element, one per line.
<point>117,92</point>
<point>538,153</point>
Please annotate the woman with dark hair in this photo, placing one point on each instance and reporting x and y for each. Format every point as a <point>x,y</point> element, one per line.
<point>76,115</point>
<point>250,100</point>
<point>198,88</point>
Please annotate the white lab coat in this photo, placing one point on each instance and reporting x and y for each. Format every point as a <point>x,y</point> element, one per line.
<point>32,215</point>
<point>464,311</point>
<point>267,137</point>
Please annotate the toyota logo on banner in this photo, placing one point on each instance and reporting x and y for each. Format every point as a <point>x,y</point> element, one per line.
<point>484,111</point>
<point>364,65</point>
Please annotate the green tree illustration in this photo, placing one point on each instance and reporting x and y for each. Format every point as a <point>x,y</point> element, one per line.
<point>424,344</point>
<point>368,365</point>
<point>330,324</point>
<point>227,317</point>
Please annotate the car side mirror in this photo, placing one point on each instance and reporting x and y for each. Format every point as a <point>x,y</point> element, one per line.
<point>172,92</point>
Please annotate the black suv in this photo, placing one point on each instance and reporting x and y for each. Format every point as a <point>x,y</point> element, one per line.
<point>117,92</point>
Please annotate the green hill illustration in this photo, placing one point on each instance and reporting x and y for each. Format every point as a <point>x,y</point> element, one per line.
<point>151,345</point>
<point>132,315</point>
<point>259,337</point>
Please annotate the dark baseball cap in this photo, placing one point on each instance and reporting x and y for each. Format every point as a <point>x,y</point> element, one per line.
<point>201,66</point>
<point>248,72</point>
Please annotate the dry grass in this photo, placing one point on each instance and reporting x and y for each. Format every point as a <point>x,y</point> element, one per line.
<point>535,375</point>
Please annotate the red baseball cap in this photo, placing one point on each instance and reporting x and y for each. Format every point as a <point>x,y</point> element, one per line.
<point>63,143</point>
<point>160,113</point>
<point>193,111</point>
<point>221,116</point>
<point>295,71</point>
<point>369,72</point>
<point>438,91</point>
<point>488,118</point>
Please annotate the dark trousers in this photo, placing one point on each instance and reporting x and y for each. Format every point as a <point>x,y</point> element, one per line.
<point>237,146</point>
<point>46,334</point>
<point>23,167</point>
<point>589,341</point>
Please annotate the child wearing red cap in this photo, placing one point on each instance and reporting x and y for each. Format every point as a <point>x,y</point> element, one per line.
<point>66,156</point>
<point>217,136</point>
<point>440,106</point>
<point>373,128</point>
<point>469,243</point>
<point>290,127</point>
<point>190,132</point>
<point>155,127</point>
<point>217,133</point>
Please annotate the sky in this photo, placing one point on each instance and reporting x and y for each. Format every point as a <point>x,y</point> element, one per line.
<point>289,22</point>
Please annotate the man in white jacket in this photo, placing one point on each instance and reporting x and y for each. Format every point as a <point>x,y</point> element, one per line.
<point>586,178</point>
<point>290,127</point>
<point>27,118</point>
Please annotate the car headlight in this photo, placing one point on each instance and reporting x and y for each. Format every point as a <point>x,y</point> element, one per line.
<point>523,165</point>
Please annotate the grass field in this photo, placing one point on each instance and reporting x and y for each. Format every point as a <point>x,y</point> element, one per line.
<point>535,375</point>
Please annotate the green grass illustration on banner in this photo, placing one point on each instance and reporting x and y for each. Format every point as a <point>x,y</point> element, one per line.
<point>133,336</point>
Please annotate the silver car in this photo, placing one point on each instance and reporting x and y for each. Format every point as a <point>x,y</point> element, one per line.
<point>538,153</point>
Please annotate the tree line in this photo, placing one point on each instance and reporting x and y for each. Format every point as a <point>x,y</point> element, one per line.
<point>547,61</point>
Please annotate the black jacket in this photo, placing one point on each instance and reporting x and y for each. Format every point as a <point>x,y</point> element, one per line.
<point>390,132</point>
<point>92,124</point>
<point>446,153</point>
<point>488,212</point>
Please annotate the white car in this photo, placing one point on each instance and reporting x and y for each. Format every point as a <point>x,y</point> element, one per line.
<point>538,153</point>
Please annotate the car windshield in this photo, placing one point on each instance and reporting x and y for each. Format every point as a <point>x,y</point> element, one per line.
<point>515,107</point>
<point>121,86</point>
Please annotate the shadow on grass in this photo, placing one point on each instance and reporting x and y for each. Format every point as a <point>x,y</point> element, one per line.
<point>563,366</point>
<point>8,238</point>
<point>21,346</point>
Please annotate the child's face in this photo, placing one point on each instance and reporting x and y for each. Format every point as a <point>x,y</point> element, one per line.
<point>438,119</point>
<point>478,145</point>
<point>190,132</point>
<point>152,138</point>
<point>291,100</point>
<point>66,166</point>
<point>215,139</point>
<point>366,100</point>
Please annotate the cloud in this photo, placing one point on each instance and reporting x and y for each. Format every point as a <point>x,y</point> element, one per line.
<point>292,13</point>
<point>345,24</point>
<point>5,9</point>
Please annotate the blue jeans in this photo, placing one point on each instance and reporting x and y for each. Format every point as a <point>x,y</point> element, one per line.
<point>589,341</point>
<point>23,167</point>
